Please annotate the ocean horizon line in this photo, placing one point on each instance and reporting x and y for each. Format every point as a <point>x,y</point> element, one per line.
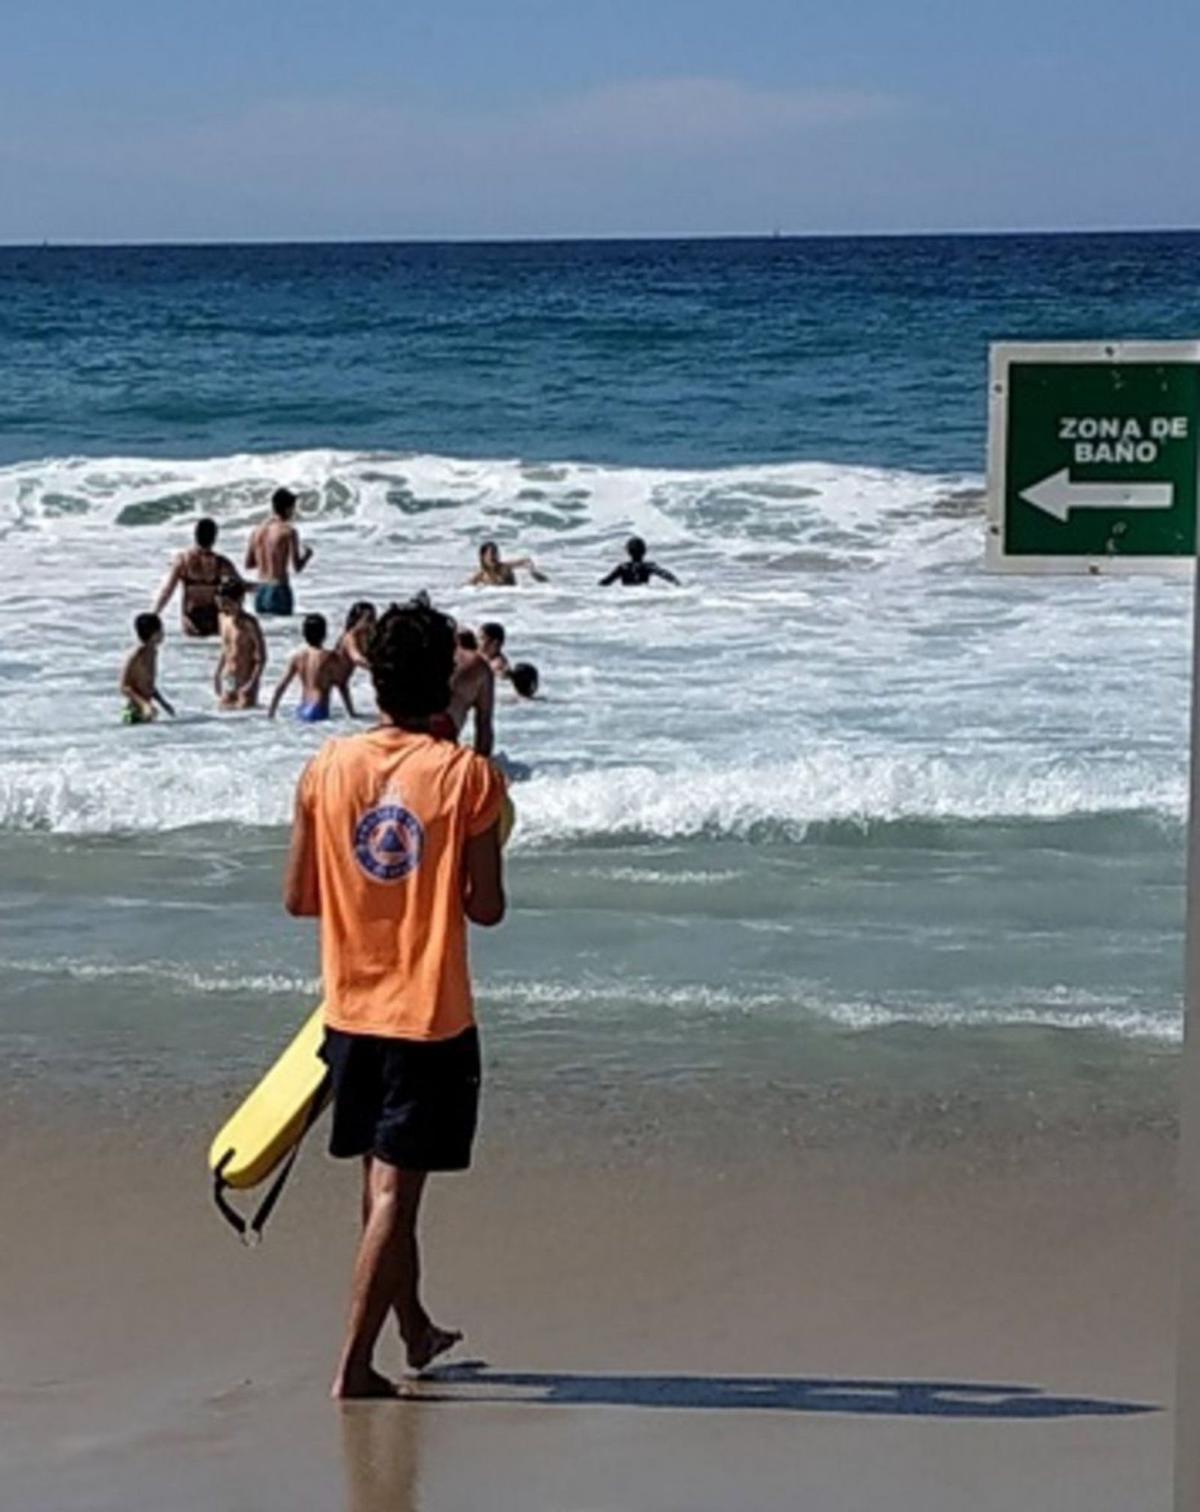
<point>607,239</point>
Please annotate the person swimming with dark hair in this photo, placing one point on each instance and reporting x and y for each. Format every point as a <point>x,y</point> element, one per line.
<point>525,680</point>
<point>199,571</point>
<point>395,846</point>
<point>494,572</point>
<point>465,640</point>
<point>320,672</point>
<point>636,571</point>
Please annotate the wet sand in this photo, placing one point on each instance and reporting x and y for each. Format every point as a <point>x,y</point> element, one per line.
<point>651,1324</point>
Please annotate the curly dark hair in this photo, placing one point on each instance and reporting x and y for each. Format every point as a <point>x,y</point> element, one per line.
<point>411,656</point>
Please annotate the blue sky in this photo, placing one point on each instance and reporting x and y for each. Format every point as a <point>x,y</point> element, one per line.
<point>122,120</point>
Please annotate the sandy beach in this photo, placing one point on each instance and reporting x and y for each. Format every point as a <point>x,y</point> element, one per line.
<point>655,1320</point>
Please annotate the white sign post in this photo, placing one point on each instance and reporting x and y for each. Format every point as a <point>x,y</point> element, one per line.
<point>1187,1382</point>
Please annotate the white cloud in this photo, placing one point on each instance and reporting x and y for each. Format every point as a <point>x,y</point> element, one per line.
<point>700,115</point>
<point>659,119</point>
<point>642,125</point>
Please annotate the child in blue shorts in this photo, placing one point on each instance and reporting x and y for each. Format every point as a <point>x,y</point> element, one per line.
<point>320,672</point>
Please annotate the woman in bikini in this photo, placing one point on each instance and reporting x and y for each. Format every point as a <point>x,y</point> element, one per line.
<point>199,571</point>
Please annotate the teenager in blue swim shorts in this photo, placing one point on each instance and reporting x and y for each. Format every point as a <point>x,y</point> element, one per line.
<point>274,553</point>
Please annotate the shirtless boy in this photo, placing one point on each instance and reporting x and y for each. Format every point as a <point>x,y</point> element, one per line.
<point>320,672</point>
<point>352,643</point>
<point>139,676</point>
<point>491,646</point>
<point>243,651</point>
<point>473,687</point>
<point>199,571</point>
<point>274,552</point>
<point>496,573</point>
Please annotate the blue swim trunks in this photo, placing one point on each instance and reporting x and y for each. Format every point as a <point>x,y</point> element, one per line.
<point>273,598</point>
<point>312,713</point>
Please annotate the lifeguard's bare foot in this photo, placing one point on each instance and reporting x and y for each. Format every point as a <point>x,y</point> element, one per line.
<point>430,1344</point>
<point>363,1386</point>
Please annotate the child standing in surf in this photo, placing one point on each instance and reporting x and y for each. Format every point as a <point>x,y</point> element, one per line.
<point>243,651</point>
<point>139,676</point>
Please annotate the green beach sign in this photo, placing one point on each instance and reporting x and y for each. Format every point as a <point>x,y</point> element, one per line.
<point>1093,454</point>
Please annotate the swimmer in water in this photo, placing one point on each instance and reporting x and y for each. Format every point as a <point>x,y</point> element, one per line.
<point>199,571</point>
<point>320,672</point>
<point>139,676</point>
<point>636,571</point>
<point>496,573</point>
<point>243,651</point>
<point>525,680</point>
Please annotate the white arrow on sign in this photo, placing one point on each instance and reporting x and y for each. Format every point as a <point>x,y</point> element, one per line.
<point>1058,496</point>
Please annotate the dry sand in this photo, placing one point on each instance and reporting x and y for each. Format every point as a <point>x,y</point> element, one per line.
<point>665,1325</point>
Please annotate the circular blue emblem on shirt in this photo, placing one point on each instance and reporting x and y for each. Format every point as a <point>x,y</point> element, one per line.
<point>388,842</point>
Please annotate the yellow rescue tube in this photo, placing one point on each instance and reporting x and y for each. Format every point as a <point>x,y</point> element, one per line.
<point>273,1117</point>
<point>266,1126</point>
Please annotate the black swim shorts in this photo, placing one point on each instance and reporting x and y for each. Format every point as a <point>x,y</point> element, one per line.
<point>413,1103</point>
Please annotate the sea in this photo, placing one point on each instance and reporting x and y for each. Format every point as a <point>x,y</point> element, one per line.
<point>842,811</point>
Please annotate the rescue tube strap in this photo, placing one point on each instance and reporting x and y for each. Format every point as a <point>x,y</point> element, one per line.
<point>249,1230</point>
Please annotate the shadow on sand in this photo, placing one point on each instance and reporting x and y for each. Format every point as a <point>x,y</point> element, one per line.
<point>474,1382</point>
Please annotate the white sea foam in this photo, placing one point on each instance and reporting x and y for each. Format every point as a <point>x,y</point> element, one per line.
<point>1111,1016</point>
<point>165,789</point>
<point>830,786</point>
<point>171,974</point>
<point>1061,1008</point>
<point>649,876</point>
<point>836,652</point>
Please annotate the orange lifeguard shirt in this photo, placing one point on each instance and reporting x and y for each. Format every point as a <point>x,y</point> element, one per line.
<point>391,813</point>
